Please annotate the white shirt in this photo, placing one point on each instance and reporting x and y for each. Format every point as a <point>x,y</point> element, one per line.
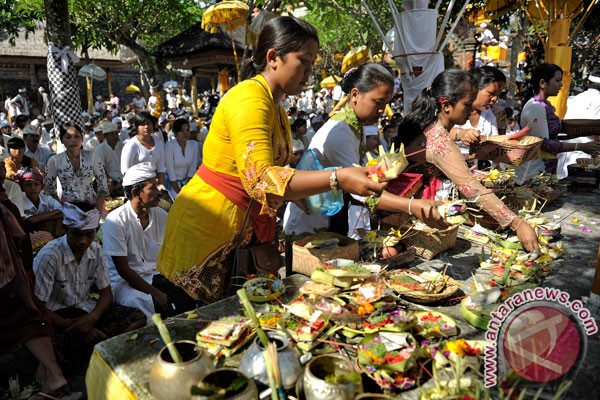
<point>92,143</point>
<point>41,155</point>
<point>179,166</point>
<point>487,126</point>
<point>110,159</point>
<point>336,146</point>
<point>61,281</point>
<point>123,236</point>
<point>14,193</point>
<point>46,204</point>
<point>534,117</point>
<point>585,105</point>
<point>140,104</point>
<point>135,152</point>
<point>337,93</point>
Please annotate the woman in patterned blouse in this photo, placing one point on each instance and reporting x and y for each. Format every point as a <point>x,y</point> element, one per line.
<point>435,111</point>
<point>76,169</point>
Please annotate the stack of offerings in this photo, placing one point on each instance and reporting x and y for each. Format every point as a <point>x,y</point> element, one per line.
<point>226,335</point>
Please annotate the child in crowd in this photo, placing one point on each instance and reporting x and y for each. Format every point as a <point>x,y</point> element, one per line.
<point>37,206</point>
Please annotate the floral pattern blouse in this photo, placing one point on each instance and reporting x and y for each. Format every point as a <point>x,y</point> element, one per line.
<point>445,154</point>
<point>76,185</point>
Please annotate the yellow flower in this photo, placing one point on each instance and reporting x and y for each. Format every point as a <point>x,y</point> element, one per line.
<point>372,163</point>
<point>457,347</point>
<point>494,174</point>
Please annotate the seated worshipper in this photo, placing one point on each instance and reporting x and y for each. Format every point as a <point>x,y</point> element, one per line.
<point>17,158</point>
<point>77,170</point>
<point>33,148</point>
<point>96,139</point>
<point>132,237</point>
<point>23,318</point>
<point>109,154</point>
<point>40,211</point>
<point>297,152</point>
<point>10,189</point>
<point>181,157</point>
<point>66,269</point>
<point>145,146</point>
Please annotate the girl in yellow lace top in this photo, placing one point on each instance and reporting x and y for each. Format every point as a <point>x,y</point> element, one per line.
<point>434,112</point>
<point>245,152</point>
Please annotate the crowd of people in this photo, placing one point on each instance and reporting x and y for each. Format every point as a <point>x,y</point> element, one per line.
<point>235,163</point>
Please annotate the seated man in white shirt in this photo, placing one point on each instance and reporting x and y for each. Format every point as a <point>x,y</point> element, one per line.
<point>65,271</point>
<point>133,234</point>
<point>33,148</point>
<point>109,154</point>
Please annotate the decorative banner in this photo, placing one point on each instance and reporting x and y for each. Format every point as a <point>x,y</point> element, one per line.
<point>64,89</point>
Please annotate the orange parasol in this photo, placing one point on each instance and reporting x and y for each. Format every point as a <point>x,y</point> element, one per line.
<point>229,15</point>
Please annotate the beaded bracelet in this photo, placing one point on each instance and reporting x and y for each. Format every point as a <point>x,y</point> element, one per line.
<point>410,204</point>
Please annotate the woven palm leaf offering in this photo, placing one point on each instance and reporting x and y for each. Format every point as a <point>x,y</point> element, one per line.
<point>390,359</point>
<point>511,267</point>
<point>477,306</point>
<point>303,323</point>
<point>387,317</point>
<point>434,324</point>
<point>495,178</point>
<point>226,335</point>
<point>343,273</point>
<point>387,165</point>
<point>422,287</point>
<point>456,371</point>
<point>454,212</point>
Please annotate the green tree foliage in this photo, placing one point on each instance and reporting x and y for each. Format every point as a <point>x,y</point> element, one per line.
<point>137,24</point>
<point>19,17</point>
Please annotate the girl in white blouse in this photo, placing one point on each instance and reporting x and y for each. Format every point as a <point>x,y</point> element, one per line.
<point>145,146</point>
<point>181,157</point>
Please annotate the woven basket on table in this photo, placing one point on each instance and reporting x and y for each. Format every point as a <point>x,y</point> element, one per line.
<point>513,152</point>
<point>304,260</point>
<point>431,242</point>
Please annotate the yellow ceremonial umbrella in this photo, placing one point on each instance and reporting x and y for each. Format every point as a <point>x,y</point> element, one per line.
<point>132,89</point>
<point>229,15</point>
<point>331,81</point>
<point>355,58</point>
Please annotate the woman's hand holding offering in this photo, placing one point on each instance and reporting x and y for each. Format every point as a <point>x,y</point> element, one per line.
<point>526,234</point>
<point>426,211</point>
<point>356,180</point>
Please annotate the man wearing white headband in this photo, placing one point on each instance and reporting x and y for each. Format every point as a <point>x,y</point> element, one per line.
<point>133,234</point>
<point>585,105</point>
<point>65,271</point>
<point>109,154</point>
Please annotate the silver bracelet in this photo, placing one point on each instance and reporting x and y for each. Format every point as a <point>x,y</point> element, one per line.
<point>576,146</point>
<point>410,204</point>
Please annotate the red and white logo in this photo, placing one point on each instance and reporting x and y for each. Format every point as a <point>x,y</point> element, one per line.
<point>541,343</point>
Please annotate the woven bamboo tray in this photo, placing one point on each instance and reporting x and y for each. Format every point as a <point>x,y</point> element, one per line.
<point>304,260</point>
<point>431,242</point>
<point>513,152</point>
